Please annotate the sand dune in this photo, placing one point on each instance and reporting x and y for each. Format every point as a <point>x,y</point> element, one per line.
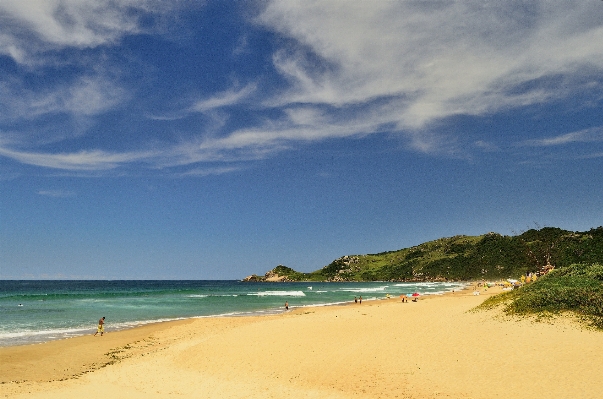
<point>435,348</point>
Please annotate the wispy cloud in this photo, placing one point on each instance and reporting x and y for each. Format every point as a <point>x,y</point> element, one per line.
<point>486,146</point>
<point>343,71</point>
<point>582,136</point>
<point>592,156</point>
<point>33,27</point>
<point>223,99</point>
<point>78,161</point>
<point>210,171</point>
<point>33,33</point>
<point>211,105</point>
<point>300,124</point>
<point>84,96</point>
<point>432,60</point>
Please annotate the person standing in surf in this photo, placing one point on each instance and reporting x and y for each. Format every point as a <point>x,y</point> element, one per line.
<point>101,326</point>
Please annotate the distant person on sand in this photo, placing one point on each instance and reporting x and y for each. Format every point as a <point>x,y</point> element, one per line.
<point>360,299</point>
<point>355,300</point>
<point>101,326</point>
<point>286,305</point>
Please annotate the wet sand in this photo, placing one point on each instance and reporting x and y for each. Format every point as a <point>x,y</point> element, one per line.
<point>434,348</point>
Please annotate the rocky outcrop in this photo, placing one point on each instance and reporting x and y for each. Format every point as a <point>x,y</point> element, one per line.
<point>253,278</point>
<point>271,276</point>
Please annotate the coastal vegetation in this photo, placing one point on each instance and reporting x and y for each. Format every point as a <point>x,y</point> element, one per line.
<point>461,258</point>
<point>577,288</point>
<point>570,266</point>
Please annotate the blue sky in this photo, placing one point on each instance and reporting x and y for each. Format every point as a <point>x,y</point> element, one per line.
<point>213,140</point>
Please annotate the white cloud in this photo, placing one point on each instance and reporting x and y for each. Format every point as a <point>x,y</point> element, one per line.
<point>57,193</point>
<point>86,95</point>
<point>582,136</point>
<point>33,26</point>
<point>223,99</point>
<point>306,116</point>
<point>89,96</point>
<point>211,171</point>
<point>211,106</point>
<point>431,60</point>
<point>32,31</point>
<point>592,156</point>
<point>78,161</point>
<point>353,68</point>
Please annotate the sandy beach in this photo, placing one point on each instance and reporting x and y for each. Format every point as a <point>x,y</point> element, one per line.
<point>434,348</point>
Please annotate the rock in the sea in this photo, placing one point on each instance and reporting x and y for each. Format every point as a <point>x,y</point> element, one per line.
<point>253,277</point>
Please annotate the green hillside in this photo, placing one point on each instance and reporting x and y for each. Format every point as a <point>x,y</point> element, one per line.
<point>489,256</point>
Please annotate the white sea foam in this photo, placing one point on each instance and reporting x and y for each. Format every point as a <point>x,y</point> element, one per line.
<point>36,336</point>
<point>241,313</point>
<point>278,293</point>
<point>429,285</point>
<point>29,333</point>
<point>317,305</point>
<point>368,289</point>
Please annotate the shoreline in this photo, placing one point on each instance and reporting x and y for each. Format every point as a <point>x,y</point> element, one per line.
<point>44,336</point>
<point>436,347</point>
<point>141,324</point>
<point>11,355</point>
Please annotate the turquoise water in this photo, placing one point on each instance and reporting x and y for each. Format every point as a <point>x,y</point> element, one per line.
<point>39,311</point>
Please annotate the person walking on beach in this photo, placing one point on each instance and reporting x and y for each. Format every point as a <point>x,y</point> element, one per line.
<point>360,299</point>
<point>286,305</point>
<point>101,326</point>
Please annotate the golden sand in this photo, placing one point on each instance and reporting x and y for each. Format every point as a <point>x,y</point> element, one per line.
<point>434,348</point>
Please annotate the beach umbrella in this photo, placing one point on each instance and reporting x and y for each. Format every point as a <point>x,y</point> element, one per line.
<point>416,294</point>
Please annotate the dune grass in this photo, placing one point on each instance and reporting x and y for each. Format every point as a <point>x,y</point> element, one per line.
<point>577,288</point>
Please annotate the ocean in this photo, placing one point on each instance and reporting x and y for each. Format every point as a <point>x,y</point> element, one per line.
<point>39,311</point>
